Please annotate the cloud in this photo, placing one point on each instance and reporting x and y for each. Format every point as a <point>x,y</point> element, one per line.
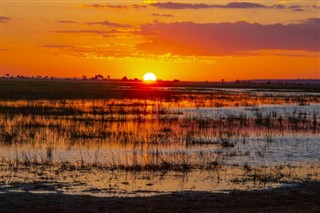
<point>108,23</point>
<point>98,32</point>
<point>188,38</point>
<point>315,21</point>
<point>4,19</point>
<point>278,6</point>
<point>294,6</point>
<point>243,5</point>
<point>66,22</point>
<point>103,23</point>
<point>89,51</point>
<point>180,6</point>
<point>231,5</point>
<point>175,5</point>
<point>54,46</point>
<point>113,6</point>
<point>297,8</point>
<point>161,15</point>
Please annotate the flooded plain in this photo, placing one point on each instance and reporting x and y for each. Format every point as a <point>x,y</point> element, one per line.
<point>200,139</point>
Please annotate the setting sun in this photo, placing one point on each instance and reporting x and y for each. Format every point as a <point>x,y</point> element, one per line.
<point>149,77</point>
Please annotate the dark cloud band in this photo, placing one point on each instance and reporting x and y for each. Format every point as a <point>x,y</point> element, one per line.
<point>188,38</point>
<point>4,19</point>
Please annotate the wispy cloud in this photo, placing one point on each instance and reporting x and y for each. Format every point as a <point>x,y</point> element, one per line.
<point>188,38</point>
<point>180,6</point>
<point>4,19</point>
<point>234,5</point>
<point>54,46</point>
<point>315,21</point>
<point>120,52</point>
<point>175,5</point>
<point>114,6</point>
<point>109,24</point>
<point>161,15</point>
<point>90,51</point>
<point>297,8</point>
<point>66,22</point>
<point>103,23</point>
<point>98,32</point>
<point>242,5</point>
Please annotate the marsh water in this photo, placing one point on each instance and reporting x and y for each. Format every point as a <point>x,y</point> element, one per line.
<point>200,139</point>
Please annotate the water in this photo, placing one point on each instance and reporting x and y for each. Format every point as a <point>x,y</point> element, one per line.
<point>239,129</point>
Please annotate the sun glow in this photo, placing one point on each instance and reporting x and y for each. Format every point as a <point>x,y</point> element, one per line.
<point>149,77</point>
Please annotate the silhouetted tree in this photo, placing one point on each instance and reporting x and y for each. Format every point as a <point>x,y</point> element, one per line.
<point>124,78</point>
<point>98,77</point>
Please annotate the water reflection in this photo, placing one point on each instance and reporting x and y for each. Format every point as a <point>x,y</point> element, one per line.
<point>189,132</point>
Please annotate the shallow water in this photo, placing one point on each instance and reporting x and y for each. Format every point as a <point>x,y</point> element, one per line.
<point>223,128</point>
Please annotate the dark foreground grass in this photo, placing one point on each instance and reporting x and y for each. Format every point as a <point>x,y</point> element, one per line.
<point>15,89</point>
<point>301,198</point>
<point>32,89</point>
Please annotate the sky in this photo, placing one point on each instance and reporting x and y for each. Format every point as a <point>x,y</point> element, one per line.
<point>186,40</point>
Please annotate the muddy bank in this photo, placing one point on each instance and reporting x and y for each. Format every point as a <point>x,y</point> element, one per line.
<point>299,198</point>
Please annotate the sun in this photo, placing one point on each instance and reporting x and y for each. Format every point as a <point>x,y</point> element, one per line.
<point>149,77</point>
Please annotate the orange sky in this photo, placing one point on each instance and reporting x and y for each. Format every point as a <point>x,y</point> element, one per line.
<point>186,40</point>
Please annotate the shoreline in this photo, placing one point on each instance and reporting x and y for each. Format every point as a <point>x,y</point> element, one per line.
<point>302,197</point>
